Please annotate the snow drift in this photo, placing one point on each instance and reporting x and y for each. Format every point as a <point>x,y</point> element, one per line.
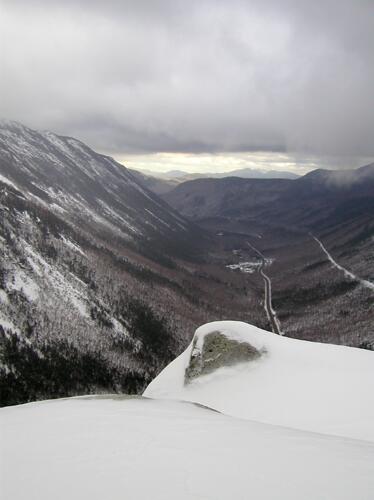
<point>304,385</point>
<point>122,447</point>
<point>139,449</point>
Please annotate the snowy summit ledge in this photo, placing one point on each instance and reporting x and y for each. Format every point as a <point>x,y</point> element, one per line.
<point>141,449</point>
<point>304,385</point>
<point>138,448</point>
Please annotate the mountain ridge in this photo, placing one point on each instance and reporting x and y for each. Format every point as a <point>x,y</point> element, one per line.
<point>101,281</point>
<point>163,182</point>
<point>228,197</point>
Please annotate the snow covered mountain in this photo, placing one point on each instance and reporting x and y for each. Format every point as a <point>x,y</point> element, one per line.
<point>89,189</point>
<point>82,249</point>
<point>267,387</point>
<point>99,278</point>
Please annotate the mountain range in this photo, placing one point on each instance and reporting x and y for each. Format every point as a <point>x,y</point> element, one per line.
<point>320,190</point>
<point>163,182</point>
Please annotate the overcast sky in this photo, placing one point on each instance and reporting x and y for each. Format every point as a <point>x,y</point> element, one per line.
<point>165,81</point>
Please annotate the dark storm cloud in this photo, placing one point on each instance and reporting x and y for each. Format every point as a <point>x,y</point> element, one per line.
<point>197,76</point>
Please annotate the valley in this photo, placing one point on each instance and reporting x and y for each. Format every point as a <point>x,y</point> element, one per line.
<point>337,207</point>
<point>186,250</point>
<point>102,282</point>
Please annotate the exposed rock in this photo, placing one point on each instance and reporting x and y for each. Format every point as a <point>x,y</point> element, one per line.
<point>217,351</point>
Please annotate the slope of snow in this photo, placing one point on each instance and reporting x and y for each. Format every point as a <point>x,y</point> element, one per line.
<point>22,282</point>
<point>64,169</point>
<point>139,449</point>
<point>73,294</point>
<point>73,246</point>
<point>5,180</point>
<point>304,385</point>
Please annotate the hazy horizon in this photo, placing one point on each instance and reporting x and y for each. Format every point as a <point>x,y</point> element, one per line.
<point>221,163</point>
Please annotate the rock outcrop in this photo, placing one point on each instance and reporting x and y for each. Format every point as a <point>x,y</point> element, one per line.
<point>216,350</point>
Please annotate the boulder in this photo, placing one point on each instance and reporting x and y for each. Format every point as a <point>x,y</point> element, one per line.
<point>216,350</point>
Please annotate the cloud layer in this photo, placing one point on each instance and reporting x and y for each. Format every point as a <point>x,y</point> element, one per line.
<point>199,76</point>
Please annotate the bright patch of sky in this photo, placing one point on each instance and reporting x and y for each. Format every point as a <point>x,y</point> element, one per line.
<point>225,162</point>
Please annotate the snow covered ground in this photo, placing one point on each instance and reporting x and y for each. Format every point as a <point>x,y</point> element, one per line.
<point>299,384</point>
<point>245,267</point>
<point>157,448</point>
<point>139,449</point>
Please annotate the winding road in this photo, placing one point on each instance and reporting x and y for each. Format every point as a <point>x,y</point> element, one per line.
<point>270,312</point>
<point>347,274</point>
